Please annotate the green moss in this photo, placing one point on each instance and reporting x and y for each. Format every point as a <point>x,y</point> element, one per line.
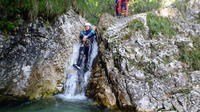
<point>166,60</point>
<point>158,24</point>
<point>183,91</point>
<point>131,62</point>
<point>127,36</point>
<point>190,56</point>
<point>198,19</point>
<point>136,25</point>
<point>147,67</point>
<point>49,92</point>
<point>150,82</point>
<point>165,76</point>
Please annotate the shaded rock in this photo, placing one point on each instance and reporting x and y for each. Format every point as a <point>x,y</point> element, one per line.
<point>32,62</point>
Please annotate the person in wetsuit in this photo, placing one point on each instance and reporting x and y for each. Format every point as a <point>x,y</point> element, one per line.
<point>86,38</point>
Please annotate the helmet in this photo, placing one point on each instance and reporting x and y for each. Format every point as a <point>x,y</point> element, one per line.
<point>88,24</point>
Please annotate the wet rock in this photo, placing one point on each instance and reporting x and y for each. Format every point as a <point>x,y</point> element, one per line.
<point>32,62</point>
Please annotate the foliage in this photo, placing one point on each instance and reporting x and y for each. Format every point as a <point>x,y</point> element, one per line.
<point>158,24</point>
<point>49,9</point>
<point>92,9</point>
<point>182,6</point>
<point>191,56</point>
<point>140,6</point>
<point>150,82</point>
<point>13,10</point>
<point>8,25</point>
<point>33,8</point>
<point>136,25</point>
<point>198,19</point>
<point>183,91</point>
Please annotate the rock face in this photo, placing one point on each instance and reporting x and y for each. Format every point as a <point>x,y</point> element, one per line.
<point>32,61</point>
<point>136,72</point>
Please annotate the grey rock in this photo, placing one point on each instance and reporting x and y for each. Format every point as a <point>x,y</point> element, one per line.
<point>32,62</point>
<point>146,74</point>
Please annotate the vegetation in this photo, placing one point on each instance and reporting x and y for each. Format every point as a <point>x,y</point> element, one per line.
<point>191,56</point>
<point>136,25</point>
<point>92,9</point>
<point>182,6</point>
<point>150,82</point>
<point>14,10</point>
<point>127,36</point>
<point>198,19</point>
<point>140,6</point>
<point>183,91</point>
<point>159,24</point>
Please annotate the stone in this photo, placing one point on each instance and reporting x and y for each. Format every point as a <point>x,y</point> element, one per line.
<point>32,61</point>
<point>145,74</point>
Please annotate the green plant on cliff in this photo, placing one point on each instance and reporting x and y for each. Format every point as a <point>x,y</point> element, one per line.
<point>198,19</point>
<point>182,91</point>
<point>158,24</point>
<point>92,9</point>
<point>190,56</point>
<point>49,9</point>
<point>140,6</point>
<point>136,25</point>
<point>14,10</point>
<point>182,5</point>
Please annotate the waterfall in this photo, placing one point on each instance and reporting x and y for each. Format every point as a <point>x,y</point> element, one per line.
<point>77,81</point>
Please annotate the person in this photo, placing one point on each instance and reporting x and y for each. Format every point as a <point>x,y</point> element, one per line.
<point>116,7</point>
<point>122,4</point>
<point>87,38</point>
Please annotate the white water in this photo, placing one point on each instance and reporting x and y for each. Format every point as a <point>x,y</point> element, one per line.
<point>76,82</point>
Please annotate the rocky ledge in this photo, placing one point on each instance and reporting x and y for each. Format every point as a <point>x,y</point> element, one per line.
<point>137,71</point>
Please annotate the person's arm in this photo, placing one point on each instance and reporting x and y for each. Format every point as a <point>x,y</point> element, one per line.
<point>81,35</point>
<point>91,33</point>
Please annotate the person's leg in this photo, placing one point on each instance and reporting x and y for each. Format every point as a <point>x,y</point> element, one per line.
<point>116,10</point>
<point>80,57</point>
<point>86,62</point>
<point>126,10</point>
<point>119,8</point>
<point>86,53</point>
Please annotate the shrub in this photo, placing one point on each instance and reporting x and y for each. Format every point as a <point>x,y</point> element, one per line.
<point>92,9</point>
<point>158,24</point>
<point>49,9</point>
<point>140,6</point>
<point>136,25</point>
<point>182,6</point>
<point>190,56</point>
<point>11,10</point>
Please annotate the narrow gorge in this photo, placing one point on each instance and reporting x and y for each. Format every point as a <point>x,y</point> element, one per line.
<point>147,62</point>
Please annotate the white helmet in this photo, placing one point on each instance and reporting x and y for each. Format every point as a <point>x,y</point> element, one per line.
<point>88,24</point>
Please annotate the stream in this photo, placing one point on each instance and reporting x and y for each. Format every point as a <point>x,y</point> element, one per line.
<point>73,98</point>
<point>55,104</point>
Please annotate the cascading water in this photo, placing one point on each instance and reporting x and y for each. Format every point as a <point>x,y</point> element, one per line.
<point>76,80</point>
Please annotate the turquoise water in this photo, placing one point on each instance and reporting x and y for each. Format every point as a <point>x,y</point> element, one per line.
<point>55,105</point>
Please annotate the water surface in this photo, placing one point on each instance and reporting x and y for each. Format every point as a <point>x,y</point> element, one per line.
<point>55,104</point>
